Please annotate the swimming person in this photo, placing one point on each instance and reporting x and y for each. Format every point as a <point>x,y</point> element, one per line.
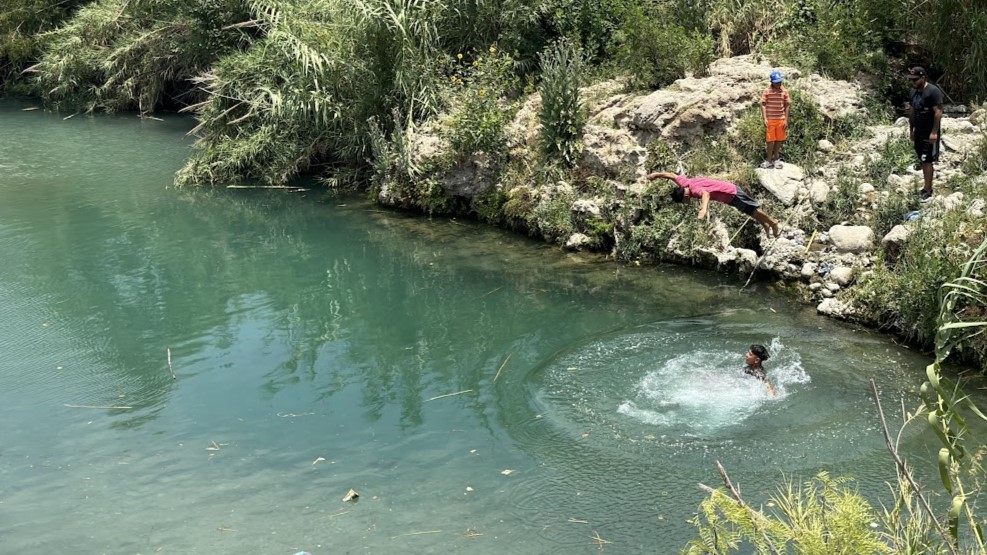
<point>755,356</point>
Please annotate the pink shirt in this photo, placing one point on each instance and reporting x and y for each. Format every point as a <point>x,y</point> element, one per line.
<point>722,191</point>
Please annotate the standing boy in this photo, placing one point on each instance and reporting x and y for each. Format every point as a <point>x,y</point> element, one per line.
<point>705,189</point>
<point>924,115</point>
<point>775,107</point>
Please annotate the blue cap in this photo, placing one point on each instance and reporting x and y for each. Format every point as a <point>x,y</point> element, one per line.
<point>776,77</point>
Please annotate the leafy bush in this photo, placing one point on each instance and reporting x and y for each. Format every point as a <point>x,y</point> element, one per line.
<point>562,116</point>
<point>976,161</point>
<point>120,55</point>
<point>841,204</point>
<point>903,293</point>
<point>891,211</point>
<point>661,157</point>
<point>895,156</point>
<point>22,23</point>
<point>655,54</point>
<point>481,99</point>
<point>822,516</point>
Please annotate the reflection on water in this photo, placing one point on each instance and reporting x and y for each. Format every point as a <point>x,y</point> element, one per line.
<point>322,344</point>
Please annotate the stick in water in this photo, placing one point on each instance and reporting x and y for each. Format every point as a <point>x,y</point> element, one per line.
<point>170,369</point>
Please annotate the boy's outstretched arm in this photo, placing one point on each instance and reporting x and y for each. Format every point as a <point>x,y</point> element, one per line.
<point>704,206</point>
<point>663,175</point>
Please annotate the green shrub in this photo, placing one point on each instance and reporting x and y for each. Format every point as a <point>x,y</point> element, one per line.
<point>553,214</point>
<point>655,53</point>
<point>661,157</point>
<point>891,211</point>
<point>895,156</point>
<point>119,55</point>
<point>841,204</point>
<point>903,293</point>
<point>714,156</point>
<point>562,116</point>
<point>975,163</point>
<point>481,89</point>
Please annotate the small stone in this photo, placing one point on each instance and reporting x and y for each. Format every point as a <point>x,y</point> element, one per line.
<point>833,287</point>
<point>815,286</point>
<point>865,188</point>
<point>826,292</point>
<point>901,122</point>
<point>841,275</point>
<point>825,146</point>
<point>808,269</point>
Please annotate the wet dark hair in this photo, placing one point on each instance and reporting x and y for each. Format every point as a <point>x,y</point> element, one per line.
<point>678,194</point>
<point>760,352</point>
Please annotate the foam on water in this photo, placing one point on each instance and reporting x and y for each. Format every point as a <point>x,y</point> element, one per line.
<point>707,390</point>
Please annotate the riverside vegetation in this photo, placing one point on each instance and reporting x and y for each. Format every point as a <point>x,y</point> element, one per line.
<point>543,116</point>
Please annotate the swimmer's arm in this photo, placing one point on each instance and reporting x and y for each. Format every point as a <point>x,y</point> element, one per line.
<point>771,390</point>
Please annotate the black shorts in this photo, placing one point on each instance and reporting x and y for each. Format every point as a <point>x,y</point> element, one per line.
<point>745,203</point>
<point>927,151</point>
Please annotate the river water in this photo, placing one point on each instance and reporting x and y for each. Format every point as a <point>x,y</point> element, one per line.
<point>482,392</point>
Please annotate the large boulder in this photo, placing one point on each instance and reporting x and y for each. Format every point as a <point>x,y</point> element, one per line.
<point>608,151</point>
<point>784,183</point>
<point>851,238</point>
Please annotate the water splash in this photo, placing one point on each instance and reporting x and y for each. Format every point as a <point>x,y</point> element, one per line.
<point>707,390</point>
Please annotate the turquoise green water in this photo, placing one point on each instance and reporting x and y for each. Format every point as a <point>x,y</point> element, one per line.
<point>482,393</point>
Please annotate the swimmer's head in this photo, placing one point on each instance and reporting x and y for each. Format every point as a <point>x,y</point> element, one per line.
<point>760,352</point>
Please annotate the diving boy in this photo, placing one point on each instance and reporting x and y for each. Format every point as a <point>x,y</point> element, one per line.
<point>720,191</point>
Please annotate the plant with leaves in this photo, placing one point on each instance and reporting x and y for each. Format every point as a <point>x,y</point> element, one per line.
<point>125,54</point>
<point>483,93</point>
<point>562,115</point>
<point>655,53</point>
<point>308,92</point>
<point>22,24</point>
<point>822,516</point>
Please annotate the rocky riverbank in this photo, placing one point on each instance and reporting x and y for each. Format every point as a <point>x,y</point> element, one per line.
<point>848,207</point>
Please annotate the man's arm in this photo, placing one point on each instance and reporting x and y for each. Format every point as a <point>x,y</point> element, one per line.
<point>704,205</point>
<point>911,120</point>
<point>934,136</point>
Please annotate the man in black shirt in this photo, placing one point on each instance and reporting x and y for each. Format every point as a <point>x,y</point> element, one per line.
<point>924,115</point>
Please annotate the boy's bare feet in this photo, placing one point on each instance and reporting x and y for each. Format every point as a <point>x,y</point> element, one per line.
<point>776,231</point>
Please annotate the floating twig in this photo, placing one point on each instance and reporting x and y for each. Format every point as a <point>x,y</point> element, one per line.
<point>334,515</point>
<point>599,541</point>
<point>70,117</point>
<point>170,369</point>
<point>283,187</point>
<point>97,406</point>
<point>492,291</point>
<point>502,366</point>
<point>450,394</point>
<point>416,533</point>
<point>31,109</point>
<point>577,520</point>
<point>225,529</point>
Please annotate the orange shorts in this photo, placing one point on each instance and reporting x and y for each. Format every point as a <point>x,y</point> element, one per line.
<point>776,130</point>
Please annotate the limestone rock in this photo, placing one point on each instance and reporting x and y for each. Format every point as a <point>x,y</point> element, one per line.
<point>841,275</point>
<point>609,151</point>
<point>836,308</point>
<point>825,146</point>
<point>901,122</point>
<point>818,191</point>
<point>979,117</point>
<point>784,184</point>
<point>851,238</point>
<point>809,269</point>
<point>577,241</point>
<point>586,207</point>
<point>865,188</point>
<point>976,208</point>
<point>833,287</point>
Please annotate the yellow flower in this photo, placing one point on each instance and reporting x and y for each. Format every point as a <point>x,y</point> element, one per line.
<point>483,92</point>
<point>493,50</point>
<point>460,56</point>
<point>476,63</point>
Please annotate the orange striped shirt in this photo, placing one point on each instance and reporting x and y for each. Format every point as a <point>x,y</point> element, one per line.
<point>774,102</point>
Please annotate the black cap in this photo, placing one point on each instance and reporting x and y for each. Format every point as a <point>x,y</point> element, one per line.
<point>916,72</point>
